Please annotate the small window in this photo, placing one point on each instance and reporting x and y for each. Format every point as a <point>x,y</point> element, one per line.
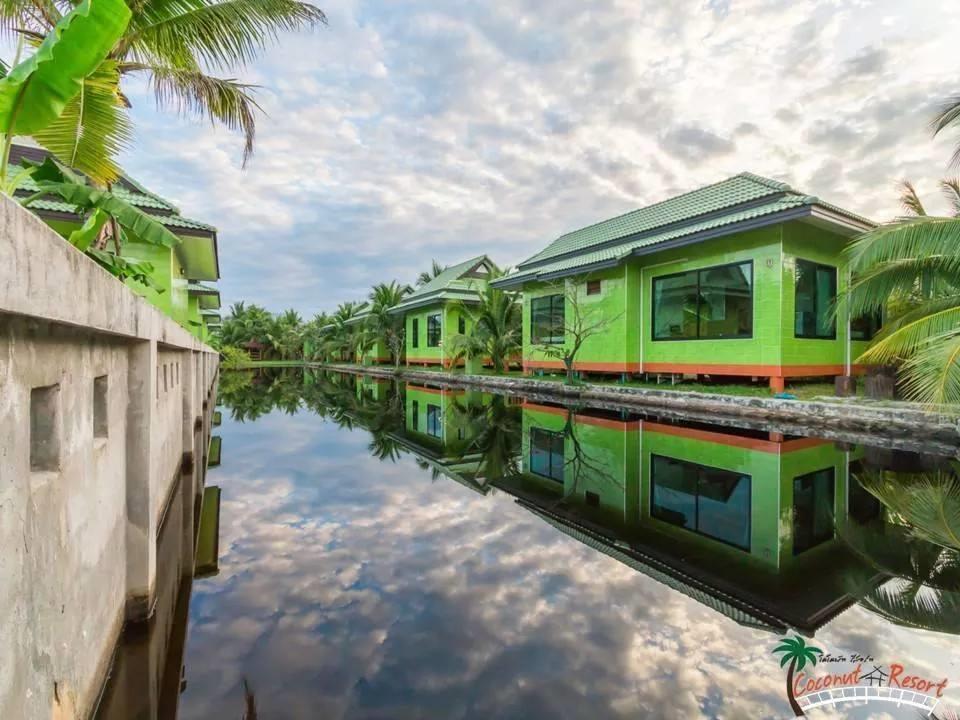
<point>433,330</point>
<point>866,326</point>
<point>546,454</point>
<point>813,496</point>
<point>462,325</point>
<point>547,323</point>
<point>434,425</point>
<point>415,415</point>
<point>100,424</point>
<point>45,429</point>
<point>816,291</point>
<point>415,333</point>
<point>862,506</point>
<point>593,287</point>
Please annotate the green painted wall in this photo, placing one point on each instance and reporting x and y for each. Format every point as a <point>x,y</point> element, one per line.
<point>449,326</point>
<point>627,295</point>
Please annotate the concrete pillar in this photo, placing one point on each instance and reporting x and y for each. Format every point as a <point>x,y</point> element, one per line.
<point>777,384</point>
<point>141,521</point>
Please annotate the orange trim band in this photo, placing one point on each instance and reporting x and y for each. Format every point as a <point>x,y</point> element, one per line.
<point>585,419</point>
<point>435,391</point>
<point>747,443</point>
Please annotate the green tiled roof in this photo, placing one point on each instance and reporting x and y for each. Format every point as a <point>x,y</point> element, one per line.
<point>448,285</point>
<point>361,315</point>
<point>126,189</point>
<point>712,210</point>
<point>197,288</point>
<point>171,221</point>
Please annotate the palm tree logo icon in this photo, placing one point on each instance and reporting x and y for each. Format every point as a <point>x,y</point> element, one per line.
<point>798,654</point>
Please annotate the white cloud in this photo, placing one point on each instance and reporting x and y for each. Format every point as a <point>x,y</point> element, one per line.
<point>420,129</point>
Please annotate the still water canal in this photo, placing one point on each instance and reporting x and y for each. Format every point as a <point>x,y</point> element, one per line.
<point>418,552</point>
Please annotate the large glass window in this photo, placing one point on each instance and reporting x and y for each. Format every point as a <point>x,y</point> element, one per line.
<point>812,509</point>
<point>816,291</point>
<point>547,320</point>
<point>707,304</point>
<point>546,453</point>
<point>415,333</point>
<point>434,426</point>
<point>462,325</point>
<point>433,330</point>
<point>706,500</point>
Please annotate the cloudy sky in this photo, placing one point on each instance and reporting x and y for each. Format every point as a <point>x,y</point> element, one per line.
<point>416,129</point>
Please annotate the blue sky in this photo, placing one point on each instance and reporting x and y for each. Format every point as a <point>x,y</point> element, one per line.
<point>416,129</point>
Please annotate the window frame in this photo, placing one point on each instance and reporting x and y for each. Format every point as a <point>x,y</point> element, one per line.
<point>594,287</point>
<point>793,525</point>
<point>698,271</point>
<point>434,421</point>
<point>874,323</point>
<point>563,459</point>
<point>563,334</point>
<point>415,333</point>
<point>461,324</point>
<point>697,530</point>
<point>438,327</point>
<point>836,292</point>
<point>415,415</point>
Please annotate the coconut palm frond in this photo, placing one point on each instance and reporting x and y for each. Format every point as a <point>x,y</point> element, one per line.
<point>908,238</point>
<point>910,200</point>
<point>192,92</point>
<point>902,281</point>
<point>93,128</point>
<point>951,191</point>
<point>931,375</point>
<point>914,606</point>
<point>912,332</point>
<point>948,117</point>
<point>221,35</point>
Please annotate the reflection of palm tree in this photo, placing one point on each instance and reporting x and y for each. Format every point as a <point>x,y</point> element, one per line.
<point>798,654</point>
<point>249,702</point>
<point>922,590</point>
<point>928,502</point>
<point>491,430</point>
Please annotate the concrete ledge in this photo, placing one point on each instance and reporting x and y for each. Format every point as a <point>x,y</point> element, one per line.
<point>904,422</point>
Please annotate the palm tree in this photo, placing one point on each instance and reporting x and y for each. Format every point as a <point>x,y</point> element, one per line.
<point>948,117</point>
<point>428,275</point>
<point>922,586</point>
<point>798,654</point>
<point>381,324</point>
<point>172,44</point>
<point>495,328</point>
<point>910,268</point>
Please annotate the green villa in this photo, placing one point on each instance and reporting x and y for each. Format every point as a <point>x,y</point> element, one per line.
<point>745,522</point>
<point>179,273</point>
<point>432,312</point>
<point>737,278</point>
<point>375,354</point>
<point>438,430</point>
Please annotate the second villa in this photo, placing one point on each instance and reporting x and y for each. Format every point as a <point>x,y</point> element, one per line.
<point>739,278</point>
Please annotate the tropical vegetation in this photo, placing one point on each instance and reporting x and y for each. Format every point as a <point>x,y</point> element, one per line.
<point>495,328</point>
<point>909,269</point>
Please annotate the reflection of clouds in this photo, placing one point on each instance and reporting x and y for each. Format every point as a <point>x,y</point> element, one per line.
<point>354,588</point>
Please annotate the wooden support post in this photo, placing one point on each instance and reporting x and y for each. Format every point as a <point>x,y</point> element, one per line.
<point>777,384</point>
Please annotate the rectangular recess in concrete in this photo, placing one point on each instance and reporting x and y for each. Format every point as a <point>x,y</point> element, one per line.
<point>100,404</point>
<point>45,429</point>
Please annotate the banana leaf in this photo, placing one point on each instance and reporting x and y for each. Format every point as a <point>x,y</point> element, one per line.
<point>53,179</point>
<point>35,92</point>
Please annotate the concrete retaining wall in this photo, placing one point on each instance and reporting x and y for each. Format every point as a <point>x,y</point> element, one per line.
<point>105,409</point>
<point>902,424</point>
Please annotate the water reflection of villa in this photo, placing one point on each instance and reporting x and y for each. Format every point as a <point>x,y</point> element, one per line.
<point>437,429</point>
<point>741,521</point>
